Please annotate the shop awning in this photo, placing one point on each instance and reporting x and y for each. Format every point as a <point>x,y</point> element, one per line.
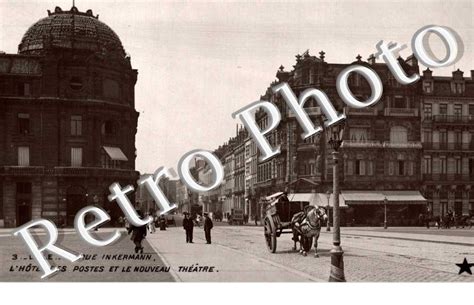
<point>303,197</point>
<point>411,196</point>
<point>115,153</point>
<point>378,197</point>
<point>319,199</point>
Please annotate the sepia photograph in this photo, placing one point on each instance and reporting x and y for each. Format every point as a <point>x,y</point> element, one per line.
<point>237,141</point>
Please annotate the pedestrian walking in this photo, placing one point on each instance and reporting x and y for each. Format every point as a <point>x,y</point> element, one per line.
<point>207,227</point>
<point>138,234</point>
<point>188,226</point>
<point>162,221</point>
<point>151,225</point>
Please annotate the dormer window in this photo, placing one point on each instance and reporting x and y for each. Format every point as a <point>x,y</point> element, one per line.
<point>428,87</point>
<point>457,87</point>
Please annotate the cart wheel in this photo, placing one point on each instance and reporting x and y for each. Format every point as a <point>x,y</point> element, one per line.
<point>270,234</point>
<point>306,243</point>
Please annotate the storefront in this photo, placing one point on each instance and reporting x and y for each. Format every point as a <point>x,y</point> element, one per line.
<point>399,208</point>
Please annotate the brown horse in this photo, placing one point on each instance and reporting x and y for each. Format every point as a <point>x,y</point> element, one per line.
<point>306,226</point>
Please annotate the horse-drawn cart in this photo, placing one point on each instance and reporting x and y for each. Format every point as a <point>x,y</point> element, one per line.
<point>283,216</point>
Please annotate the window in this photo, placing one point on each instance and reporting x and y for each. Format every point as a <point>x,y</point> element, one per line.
<point>76,125</point>
<point>391,168</point>
<point>370,168</point>
<point>399,102</point>
<point>310,139</point>
<point>427,165</point>
<point>458,137</point>
<point>23,123</point>
<point>427,87</point>
<point>76,156</point>
<point>443,109</point>
<point>457,87</point>
<point>457,110</point>
<point>23,89</point>
<point>458,166</point>
<point>427,136</point>
<point>401,167</point>
<point>411,168</point>
<point>443,137</point>
<point>358,134</point>
<point>108,128</point>
<point>23,156</point>
<point>443,167</point>
<point>350,167</point>
<point>360,167</point>
<point>471,110</point>
<point>427,110</point>
<point>398,134</point>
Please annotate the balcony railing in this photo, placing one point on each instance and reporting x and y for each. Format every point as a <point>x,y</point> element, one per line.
<point>361,144</point>
<point>360,111</point>
<point>22,170</point>
<point>448,146</point>
<point>450,119</point>
<point>416,145</point>
<point>95,171</point>
<point>405,112</point>
<point>447,177</point>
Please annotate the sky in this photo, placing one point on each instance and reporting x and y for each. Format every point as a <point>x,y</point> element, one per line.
<point>200,61</point>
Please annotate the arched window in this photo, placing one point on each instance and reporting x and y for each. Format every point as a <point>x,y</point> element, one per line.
<point>398,134</point>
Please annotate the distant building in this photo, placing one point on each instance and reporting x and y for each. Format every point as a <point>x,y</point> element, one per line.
<point>448,142</point>
<point>67,120</point>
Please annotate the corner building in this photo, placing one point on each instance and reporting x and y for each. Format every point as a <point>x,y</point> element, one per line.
<point>380,156</point>
<point>67,120</point>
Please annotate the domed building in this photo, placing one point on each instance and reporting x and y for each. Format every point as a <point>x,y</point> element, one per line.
<point>67,120</point>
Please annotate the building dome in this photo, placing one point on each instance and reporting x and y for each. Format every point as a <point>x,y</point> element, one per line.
<point>70,30</point>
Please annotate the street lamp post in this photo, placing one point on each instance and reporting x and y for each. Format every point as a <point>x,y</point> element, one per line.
<point>328,226</point>
<point>334,136</point>
<point>385,213</point>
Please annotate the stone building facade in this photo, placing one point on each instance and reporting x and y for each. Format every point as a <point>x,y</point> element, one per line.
<point>67,119</point>
<point>448,142</point>
<point>412,152</point>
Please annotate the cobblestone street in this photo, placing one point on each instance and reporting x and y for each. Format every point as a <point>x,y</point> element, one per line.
<point>238,253</point>
<point>371,255</point>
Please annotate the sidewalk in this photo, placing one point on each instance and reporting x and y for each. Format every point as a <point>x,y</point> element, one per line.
<point>414,234</point>
<point>229,265</point>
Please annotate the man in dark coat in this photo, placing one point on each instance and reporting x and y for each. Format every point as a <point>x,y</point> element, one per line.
<point>138,234</point>
<point>207,227</point>
<point>188,226</point>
